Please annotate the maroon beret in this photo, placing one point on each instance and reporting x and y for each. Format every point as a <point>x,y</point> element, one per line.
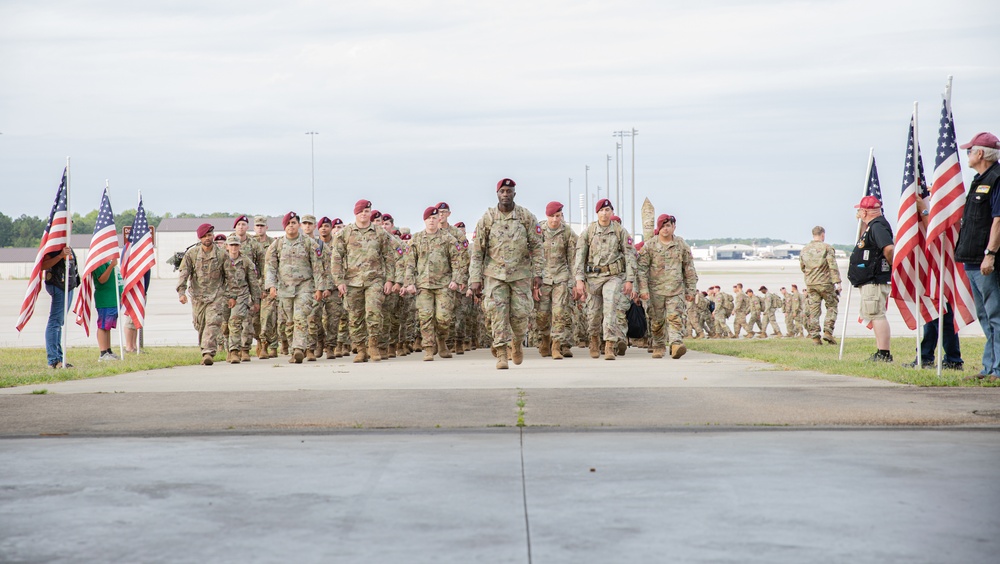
<point>602,203</point>
<point>664,218</point>
<point>639,245</point>
<point>553,208</point>
<point>433,210</point>
<point>406,236</point>
<point>337,221</point>
<point>361,205</point>
<point>288,218</point>
<point>388,217</point>
<point>442,206</point>
<point>220,237</point>
<point>460,225</point>
<point>376,214</point>
<point>325,219</point>
<point>616,218</point>
<point>239,219</point>
<point>506,182</point>
<point>205,229</point>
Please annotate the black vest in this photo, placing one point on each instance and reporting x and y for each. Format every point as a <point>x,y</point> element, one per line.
<point>977,217</point>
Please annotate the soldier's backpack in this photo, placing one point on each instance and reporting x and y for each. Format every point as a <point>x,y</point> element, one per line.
<point>636,318</point>
<point>525,218</point>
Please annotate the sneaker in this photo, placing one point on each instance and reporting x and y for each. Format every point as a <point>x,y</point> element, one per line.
<point>107,356</point>
<point>879,356</point>
<point>924,365</point>
<point>953,366</point>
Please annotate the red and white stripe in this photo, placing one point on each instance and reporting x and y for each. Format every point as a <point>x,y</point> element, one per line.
<point>909,263</point>
<point>54,239</point>
<point>103,247</point>
<point>135,262</point>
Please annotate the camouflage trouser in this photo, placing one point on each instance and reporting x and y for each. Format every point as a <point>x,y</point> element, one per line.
<point>283,325</point>
<point>580,322</point>
<point>791,325</point>
<point>508,305</point>
<point>622,305</point>
<point>803,319</point>
<point>459,315</point>
<point>826,295</point>
<point>296,312</point>
<point>553,315</point>
<point>435,311</point>
<point>602,307</point>
<point>390,319</point>
<point>667,312</point>
<point>719,319</point>
<point>208,320</point>
<point>740,323</point>
<point>364,312</point>
<point>693,325</point>
<point>241,325</point>
<point>269,321</point>
<point>328,313</point>
<point>753,320</point>
<point>769,319</point>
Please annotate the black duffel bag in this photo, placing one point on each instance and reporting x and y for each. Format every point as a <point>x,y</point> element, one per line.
<point>636,318</point>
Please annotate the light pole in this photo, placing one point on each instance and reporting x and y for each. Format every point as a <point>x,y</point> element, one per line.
<point>622,134</point>
<point>634,133</point>
<point>607,181</point>
<point>586,190</point>
<point>569,204</point>
<point>618,186</point>
<point>312,165</point>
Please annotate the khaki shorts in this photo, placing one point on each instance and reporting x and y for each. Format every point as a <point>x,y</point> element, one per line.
<point>873,301</point>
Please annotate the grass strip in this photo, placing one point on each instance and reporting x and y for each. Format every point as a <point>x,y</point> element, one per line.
<point>22,367</point>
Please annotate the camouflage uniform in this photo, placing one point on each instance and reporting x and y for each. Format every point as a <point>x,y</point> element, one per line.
<point>265,324</point>
<point>364,258</point>
<point>791,308</point>
<point>242,285</point>
<point>254,251</point>
<point>552,313</point>
<point>506,256</point>
<point>462,315</point>
<point>392,304</point>
<point>605,261</point>
<point>771,303</point>
<point>723,309</point>
<point>818,263</point>
<point>431,265</point>
<point>741,308</point>
<point>294,270</point>
<point>207,275</point>
<point>323,325</point>
<point>755,304</point>
<point>667,274</point>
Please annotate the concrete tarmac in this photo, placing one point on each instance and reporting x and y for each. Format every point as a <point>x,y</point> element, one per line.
<point>701,459</point>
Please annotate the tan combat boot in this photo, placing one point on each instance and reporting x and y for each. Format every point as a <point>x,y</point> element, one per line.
<point>501,354</point>
<point>373,352</point>
<point>417,344</point>
<point>459,348</point>
<point>310,355</point>
<point>817,341</point>
<point>442,348</point>
<point>517,354</point>
<point>284,347</point>
<point>331,352</point>
<point>621,347</point>
<point>658,352</point>
<point>260,350</point>
<point>595,347</point>
<point>207,359</point>
<point>296,356</point>
<point>545,346</point>
<point>556,351</point>
<point>362,355</point>
<point>428,354</point>
<point>392,351</point>
<point>609,350</point>
<point>677,350</point>
<point>566,350</point>
<point>828,337</point>
<point>245,355</point>
<point>233,357</point>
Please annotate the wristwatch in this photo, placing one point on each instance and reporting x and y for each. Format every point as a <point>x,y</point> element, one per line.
<point>990,253</point>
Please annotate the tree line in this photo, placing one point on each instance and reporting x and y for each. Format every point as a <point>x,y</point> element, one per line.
<point>26,231</point>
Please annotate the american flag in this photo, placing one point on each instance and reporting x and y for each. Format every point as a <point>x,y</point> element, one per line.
<point>103,247</point>
<point>873,188</point>
<point>947,206</point>
<point>909,263</point>
<point>137,259</point>
<point>54,239</point>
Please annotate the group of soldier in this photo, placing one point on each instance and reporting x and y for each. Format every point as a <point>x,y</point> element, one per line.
<point>377,291</point>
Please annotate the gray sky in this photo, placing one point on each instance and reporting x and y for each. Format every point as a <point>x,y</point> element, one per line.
<point>754,118</point>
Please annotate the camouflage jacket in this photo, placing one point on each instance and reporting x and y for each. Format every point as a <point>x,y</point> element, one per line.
<point>791,303</point>
<point>740,303</point>
<point>364,257</point>
<point>254,251</point>
<point>667,269</point>
<point>465,259</point>
<point>205,272</point>
<point>771,302</point>
<point>754,305</point>
<point>601,246</point>
<point>324,252</point>
<point>242,280</point>
<point>507,246</point>
<point>819,264</point>
<point>293,267</point>
<point>434,261</point>
<point>559,247</point>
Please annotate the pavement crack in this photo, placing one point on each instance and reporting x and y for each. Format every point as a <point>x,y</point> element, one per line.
<point>524,496</point>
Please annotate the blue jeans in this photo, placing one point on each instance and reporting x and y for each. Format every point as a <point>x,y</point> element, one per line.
<point>986,291</point>
<point>952,348</point>
<point>57,315</point>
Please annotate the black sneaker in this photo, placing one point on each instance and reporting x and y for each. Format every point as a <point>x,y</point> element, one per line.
<point>953,366</point>
<point>879,356</point>
<point>924,365</point>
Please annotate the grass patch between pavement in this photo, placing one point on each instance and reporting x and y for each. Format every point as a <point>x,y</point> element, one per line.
<point>21,367</point>
<point>802,354</point>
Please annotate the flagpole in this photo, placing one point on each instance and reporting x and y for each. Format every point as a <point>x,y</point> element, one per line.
<point>114,273</point>
<point>67,260</point>
<point>847,308</point>
<point>918,296</point>
<point>939,349</point>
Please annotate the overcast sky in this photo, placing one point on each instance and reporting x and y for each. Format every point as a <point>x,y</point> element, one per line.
<point>754,118</point>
